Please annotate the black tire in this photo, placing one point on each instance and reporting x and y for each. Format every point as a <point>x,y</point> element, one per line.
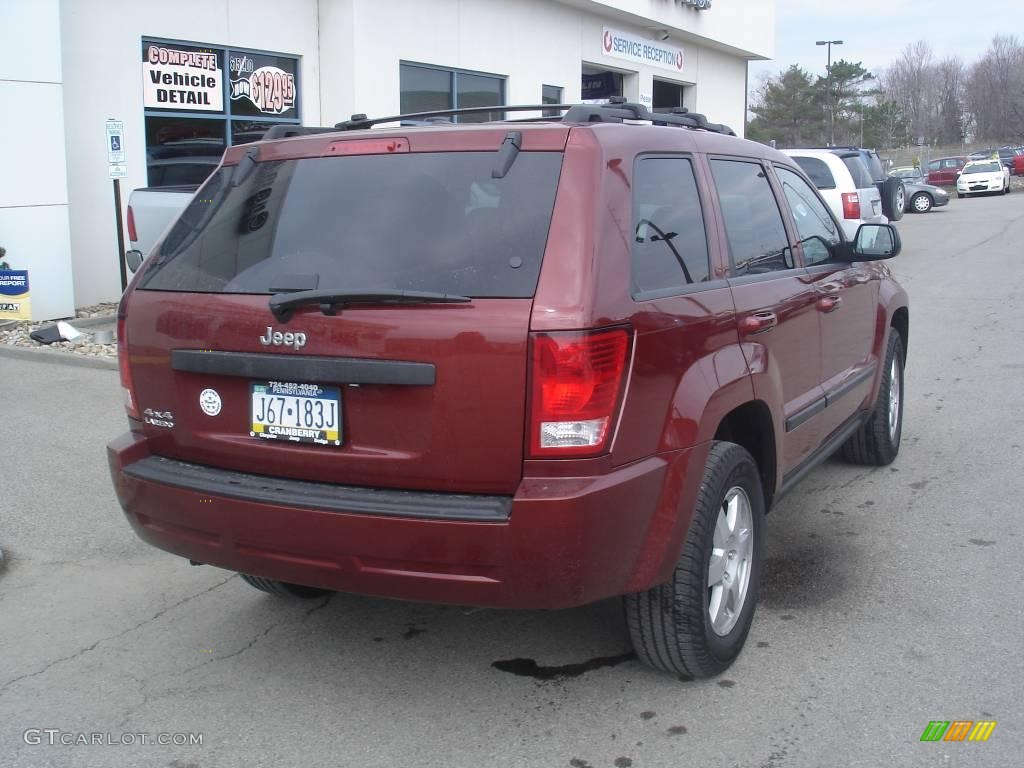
<point>670,625</point>
<point>921,202</point>
<point>283,588</point>
<point>893,191</point>
<point>876,443</point>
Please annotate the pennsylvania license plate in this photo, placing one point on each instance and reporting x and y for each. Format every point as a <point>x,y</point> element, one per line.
<point>300,413</point>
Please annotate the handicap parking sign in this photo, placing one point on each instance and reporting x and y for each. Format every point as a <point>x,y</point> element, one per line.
<point>115,142</point>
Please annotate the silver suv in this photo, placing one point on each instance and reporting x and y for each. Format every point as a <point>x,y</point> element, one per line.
<point>846,185</point>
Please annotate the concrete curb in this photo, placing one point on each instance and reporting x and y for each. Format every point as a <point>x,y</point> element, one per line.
<point>60,358</point>
<point>89,322</point>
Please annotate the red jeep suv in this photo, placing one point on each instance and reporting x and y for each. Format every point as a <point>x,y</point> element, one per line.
<point>520,364</point>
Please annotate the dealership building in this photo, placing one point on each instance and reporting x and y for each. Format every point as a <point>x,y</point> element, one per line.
<point>186,79</point>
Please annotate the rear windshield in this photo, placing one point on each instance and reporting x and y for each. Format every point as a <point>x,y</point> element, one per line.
<point>818,172</point>
<point>855,165</point>
<point>417,221</point>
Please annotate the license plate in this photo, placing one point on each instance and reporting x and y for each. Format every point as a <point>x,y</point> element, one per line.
<point>299,413</point>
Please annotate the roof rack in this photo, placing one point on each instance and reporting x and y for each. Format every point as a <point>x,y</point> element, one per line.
<point>360,121</point>
<point>614,112</point>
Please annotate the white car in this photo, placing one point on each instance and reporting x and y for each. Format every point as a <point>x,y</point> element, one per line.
<point>983,177</point>
<point>845,184</point>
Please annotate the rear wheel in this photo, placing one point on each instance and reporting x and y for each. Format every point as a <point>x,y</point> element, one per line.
<point>877,442</point>
<point>283,588</point>
<point>921,202</point>
<point>696,624</point>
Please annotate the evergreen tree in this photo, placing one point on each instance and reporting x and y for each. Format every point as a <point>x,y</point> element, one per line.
<point>788,109</point>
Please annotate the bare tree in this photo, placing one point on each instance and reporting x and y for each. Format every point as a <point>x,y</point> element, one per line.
<point>950,81</point>
<point>995,91</point>
<point>909,83</point>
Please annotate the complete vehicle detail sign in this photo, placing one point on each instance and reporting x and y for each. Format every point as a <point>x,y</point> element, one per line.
<point>182,77</point>
<point>637,49</point>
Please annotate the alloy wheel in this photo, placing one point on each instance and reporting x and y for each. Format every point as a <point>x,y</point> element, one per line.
<point>894,399</point>
<point>730,563</point>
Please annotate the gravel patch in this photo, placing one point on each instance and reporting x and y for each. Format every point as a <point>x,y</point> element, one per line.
<point>16,334</point>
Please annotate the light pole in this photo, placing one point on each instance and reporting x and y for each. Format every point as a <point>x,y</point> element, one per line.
<point>831,106</point>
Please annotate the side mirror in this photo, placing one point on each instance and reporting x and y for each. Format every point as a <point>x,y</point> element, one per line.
<point>133,259</point>
<point>875,242</point>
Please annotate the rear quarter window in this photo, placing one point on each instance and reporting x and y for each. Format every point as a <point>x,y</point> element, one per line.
<point>818,171</point>
<point>669,244</point>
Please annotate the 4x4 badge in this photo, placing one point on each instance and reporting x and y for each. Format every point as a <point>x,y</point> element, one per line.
<point>158,418</point>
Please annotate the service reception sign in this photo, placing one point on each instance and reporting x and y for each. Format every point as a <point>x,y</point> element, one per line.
<point>182,77</point>
<point>638,50</point>
<point>14,295</point>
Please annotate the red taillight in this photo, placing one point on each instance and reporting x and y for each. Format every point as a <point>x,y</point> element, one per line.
<point>132,234</point>
<point>577,380</point>
<point>130,405</point>
<point>851,205</point>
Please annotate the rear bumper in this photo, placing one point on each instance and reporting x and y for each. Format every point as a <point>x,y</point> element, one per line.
<point>562,542</point>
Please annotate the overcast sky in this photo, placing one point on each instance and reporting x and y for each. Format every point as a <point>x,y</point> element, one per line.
<point>876,31</point>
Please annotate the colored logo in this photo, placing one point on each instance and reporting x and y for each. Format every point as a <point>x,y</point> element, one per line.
<point>607,40</point>
<point>958,730</point>
<point>679,59</point>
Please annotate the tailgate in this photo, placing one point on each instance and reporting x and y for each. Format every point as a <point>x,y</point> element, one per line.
<point>422,396</point>
<point>463,432</point>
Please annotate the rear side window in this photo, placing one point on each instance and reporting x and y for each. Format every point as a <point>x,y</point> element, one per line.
<point>855,166</point>
<point>873,163</point>
<point>818,172</point>
<point>670,247</point>
<point>417,221</point>
<point>753,222</point>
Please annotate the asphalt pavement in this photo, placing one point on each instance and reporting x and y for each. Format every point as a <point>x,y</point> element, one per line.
<point>892,597</point>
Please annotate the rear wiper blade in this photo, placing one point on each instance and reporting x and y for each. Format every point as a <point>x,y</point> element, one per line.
<point>283,305</point>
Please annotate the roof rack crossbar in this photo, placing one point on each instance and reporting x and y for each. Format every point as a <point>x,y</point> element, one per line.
<point>621,110</point>
<point>360,122</point>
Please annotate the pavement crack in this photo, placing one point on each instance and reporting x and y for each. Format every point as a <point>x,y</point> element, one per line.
<point>93,646</point>
<point>315,608</point>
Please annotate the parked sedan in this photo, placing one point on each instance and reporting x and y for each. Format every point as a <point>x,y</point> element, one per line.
<point>923,196</point>
<point>945,170</point>
<point>907,173</point>
<point>983,177</point>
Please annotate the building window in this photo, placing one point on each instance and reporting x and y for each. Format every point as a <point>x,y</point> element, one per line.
<point>426,88</point>
<point>199,99</point>
<point>551,94</point>
<point>598,84</point>
<point>667,96</point>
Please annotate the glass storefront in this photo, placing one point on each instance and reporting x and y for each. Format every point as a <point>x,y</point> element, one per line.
<point>200,99</point>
